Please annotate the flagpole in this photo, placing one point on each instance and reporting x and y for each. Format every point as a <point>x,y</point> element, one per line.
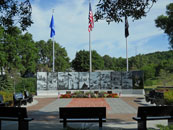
<point>53,69</point>
<point>90,58</point>
<point>90,51</point>
<point>126,35</point>
<point>90,55</point>
<point>127,56</point>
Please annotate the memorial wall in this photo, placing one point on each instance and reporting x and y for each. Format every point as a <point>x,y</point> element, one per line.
<point>86,81</point>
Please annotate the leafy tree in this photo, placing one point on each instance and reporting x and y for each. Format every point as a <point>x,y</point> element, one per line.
<point>28,53</point>
<point>15,11</point>
<point>166,23</point>
<point>81,61</point>
<point>5,83</point>
<point>165,76</point>
<point>45,56</point>
<point>108,62</point>
<point>120,64</point>
<point>116,10</point>
<point>11,50</point>
<point>97,61</point>
<point>3,60</point>
<point>149,71</point>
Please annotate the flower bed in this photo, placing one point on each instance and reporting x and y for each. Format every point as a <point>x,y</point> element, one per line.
<point>81,94</point>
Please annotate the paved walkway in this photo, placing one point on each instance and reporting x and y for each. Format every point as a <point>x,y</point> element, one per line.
<point>120,111</point>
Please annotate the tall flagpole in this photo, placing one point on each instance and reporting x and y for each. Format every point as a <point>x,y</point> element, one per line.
<point>53,69</point>
<point>126,35</point>
<point>90,51</point>
<point>127,56</point>
<point>90,26</point>
<point>90,58</point>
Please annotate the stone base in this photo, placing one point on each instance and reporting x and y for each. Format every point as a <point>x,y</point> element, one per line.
<point>121,92</point>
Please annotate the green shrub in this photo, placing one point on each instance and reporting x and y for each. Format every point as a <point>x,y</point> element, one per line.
<point>148,82</point>
<point>8,96</point>
<point>91,94</point>
<point>6,83</point>
<point>168,96</point>
<point>101,94</point>
<point>28,84</point>
<point>162,127</point>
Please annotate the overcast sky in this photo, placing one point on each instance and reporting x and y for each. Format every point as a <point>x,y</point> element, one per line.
<point>71,26</point>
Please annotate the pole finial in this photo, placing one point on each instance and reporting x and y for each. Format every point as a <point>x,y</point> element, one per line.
<point>53,11</point>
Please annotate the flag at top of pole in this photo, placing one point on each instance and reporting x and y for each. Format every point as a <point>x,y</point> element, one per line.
<point>126,27</point>
<point>91,20</point>
<point>52,27</point>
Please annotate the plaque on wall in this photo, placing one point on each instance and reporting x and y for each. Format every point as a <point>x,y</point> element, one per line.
<point>116,80</point>
<point>73,80</point>
<point>137,77</point>
<point>63,80</point>
<point>52,80</point>
<point>95,80</point>
<point>127,80</point>
<point>83,80</point>
<point>105,78</point>
<point>41,80</point>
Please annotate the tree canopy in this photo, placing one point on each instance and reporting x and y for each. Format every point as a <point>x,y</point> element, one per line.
<point>166,23</point>
<point>116,10</point>
<point>81,61</point>
<point>15,12</point>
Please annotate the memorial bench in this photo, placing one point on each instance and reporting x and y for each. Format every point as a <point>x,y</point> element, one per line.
<point>28,97</point>
<point>82,114</point>
<point>18,99</point>
<point>15,114</point>
<point>153,113</point>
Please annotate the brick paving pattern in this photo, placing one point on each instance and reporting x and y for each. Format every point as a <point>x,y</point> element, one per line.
<point>89,102</point>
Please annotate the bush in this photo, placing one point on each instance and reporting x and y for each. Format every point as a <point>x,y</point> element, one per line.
<point>148,82</point>
<point>168,96</point>
<point>162,127</point>
<point>8,96</point>
<point>90,94</point>
<point>81,94</point>
<point>101,94</point>
<point>28,84</point>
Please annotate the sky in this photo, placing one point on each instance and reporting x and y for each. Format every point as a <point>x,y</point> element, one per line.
<point>71,28</point>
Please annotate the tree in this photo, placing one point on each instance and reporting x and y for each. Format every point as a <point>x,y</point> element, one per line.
<point>15,11</point>
<point>45,56</point>
<point>116,10</point>
<point>3,60</point>
<point>28,53</point>
<point>108,62</point>
<point>149,71</point>
<point>120,64</point>
<point>12,56</point>
<point>166,23</point>
<point>81,61</point>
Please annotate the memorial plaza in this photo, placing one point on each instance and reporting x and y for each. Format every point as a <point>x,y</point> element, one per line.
<point>119,113</point>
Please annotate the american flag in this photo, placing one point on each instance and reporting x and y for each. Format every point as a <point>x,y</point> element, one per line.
<point>91,20</point>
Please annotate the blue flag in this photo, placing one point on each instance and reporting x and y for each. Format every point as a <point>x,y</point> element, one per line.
<point>52,27</point>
